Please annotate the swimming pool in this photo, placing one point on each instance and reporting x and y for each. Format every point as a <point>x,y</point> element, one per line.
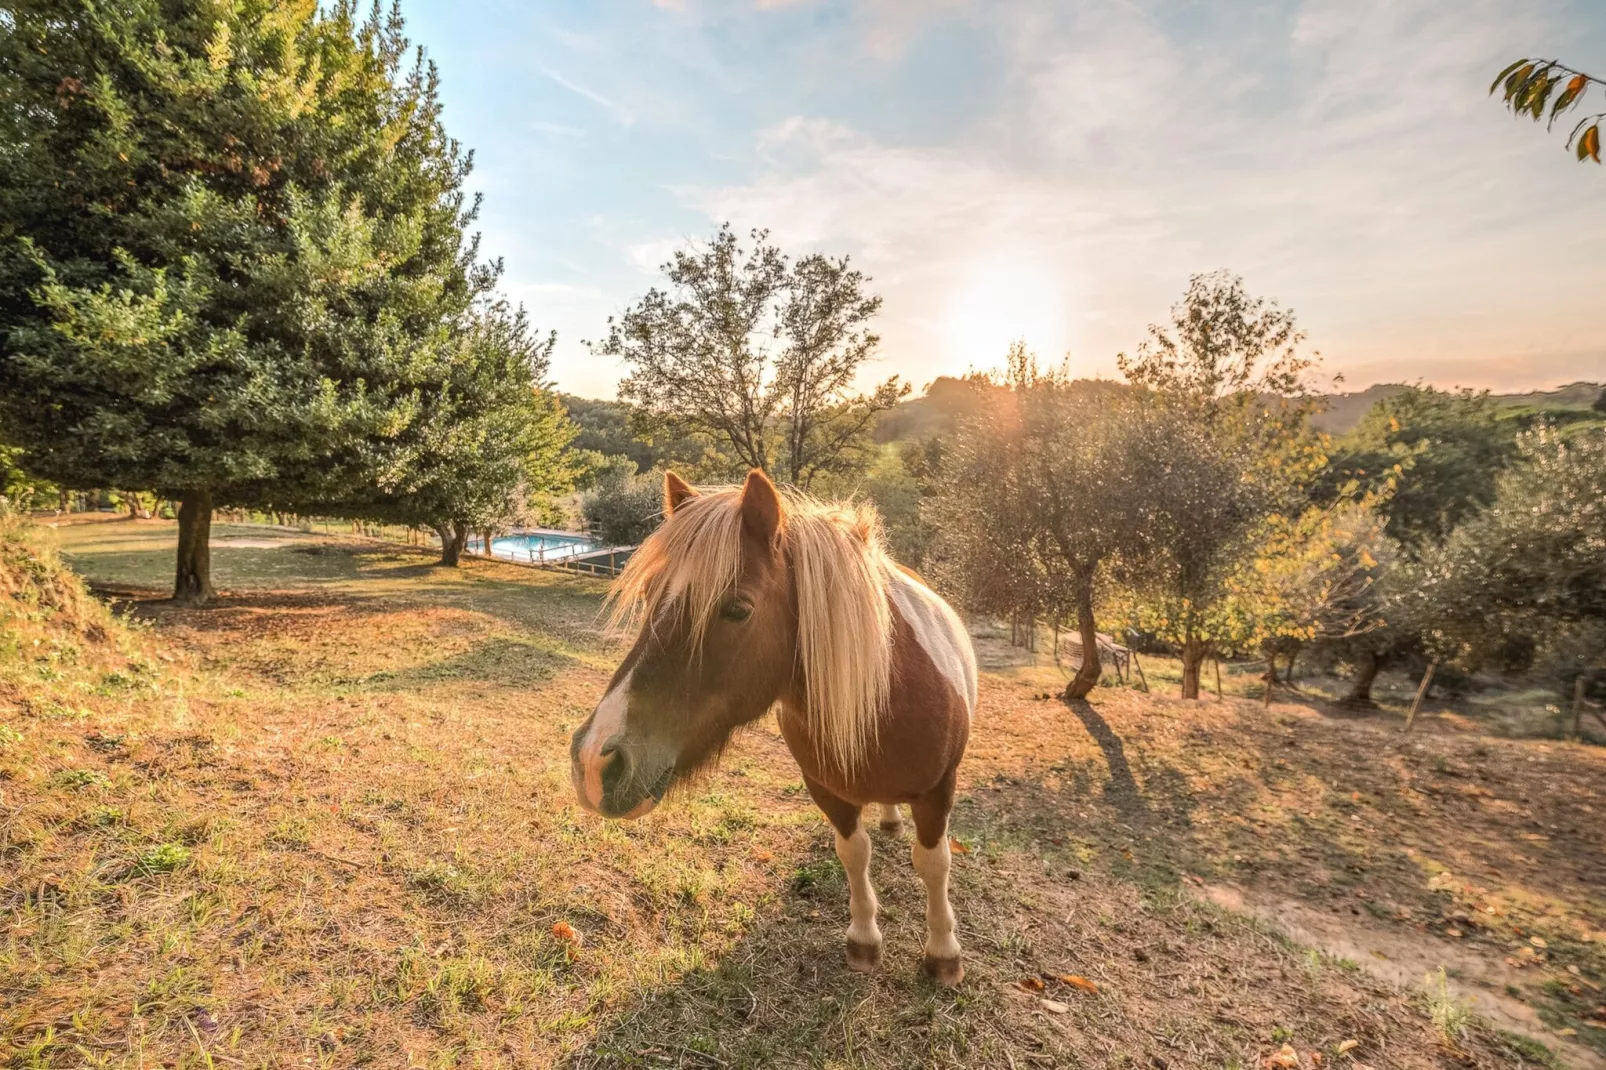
<point>537,546</point>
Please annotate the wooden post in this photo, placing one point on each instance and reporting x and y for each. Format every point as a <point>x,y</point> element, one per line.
<point>1421,693</point>
<point>1578,706</point>
<point>1138,665</point>
<point>1218,679</point>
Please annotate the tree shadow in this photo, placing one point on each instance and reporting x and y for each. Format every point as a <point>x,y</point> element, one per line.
<point>1121,789</point>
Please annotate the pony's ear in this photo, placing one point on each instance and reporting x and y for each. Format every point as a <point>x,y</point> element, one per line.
<point>676,491</point>
<point>761,507</point>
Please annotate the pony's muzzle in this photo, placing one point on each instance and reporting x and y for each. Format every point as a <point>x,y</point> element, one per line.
<point>610,782</point>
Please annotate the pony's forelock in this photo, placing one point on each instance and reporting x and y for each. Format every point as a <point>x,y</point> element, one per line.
<point>840,568</point>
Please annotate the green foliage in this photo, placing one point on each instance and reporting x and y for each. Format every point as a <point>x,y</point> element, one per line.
<point>1036,494</point>
<point>228,226</point>
<point>233,265</point>
<point>1433,455</point>
<point>490,442</point>
<point>1226,447</point>
<point>624,508</point>
<point>1528,87</point>
<point>702,361</point>
<point>1532,564</point>
<point>617,428</point>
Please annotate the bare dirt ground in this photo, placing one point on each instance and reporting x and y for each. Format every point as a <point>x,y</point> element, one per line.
<point>328,823</point>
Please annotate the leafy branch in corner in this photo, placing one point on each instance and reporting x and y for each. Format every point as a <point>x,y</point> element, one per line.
<point>1529,85</point>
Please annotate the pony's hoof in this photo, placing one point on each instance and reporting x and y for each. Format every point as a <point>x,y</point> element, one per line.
<point>892,828</point>
<point>946,972</point>
<point>863,957</point>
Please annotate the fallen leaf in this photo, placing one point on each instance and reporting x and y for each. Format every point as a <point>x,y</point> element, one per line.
<point>565,932</point>
<point>1454,932</point>
<point>763,856</point>
<point>1287,1057</point>
<point>1031,984</point>
<point>1537,941</point>
<point>1083,983</point>
<point>1348,1045</point>
<point>956,847</point>
<point>1053,1006</point>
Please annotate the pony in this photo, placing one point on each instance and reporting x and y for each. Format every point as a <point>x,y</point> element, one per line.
<point>747,598</point>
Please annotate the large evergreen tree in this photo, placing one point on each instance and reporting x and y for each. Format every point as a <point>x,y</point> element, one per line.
<point>231,242</point>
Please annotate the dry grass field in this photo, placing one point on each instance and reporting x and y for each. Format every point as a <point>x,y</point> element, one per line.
<point>328,823</point>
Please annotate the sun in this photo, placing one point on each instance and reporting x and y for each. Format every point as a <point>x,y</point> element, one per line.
<point>1009,297</point>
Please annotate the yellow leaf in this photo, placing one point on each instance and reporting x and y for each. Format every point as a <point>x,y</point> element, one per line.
<point>1077,981</point>
<point>1348,1045</point>
<point>565,932</point>
<point>1030,984</point>
<point>1287,1057</point>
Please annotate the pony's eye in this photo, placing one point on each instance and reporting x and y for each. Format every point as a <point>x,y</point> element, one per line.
<point>735,611</point>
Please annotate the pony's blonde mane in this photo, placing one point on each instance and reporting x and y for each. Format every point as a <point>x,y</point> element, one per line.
<point>840,568</point>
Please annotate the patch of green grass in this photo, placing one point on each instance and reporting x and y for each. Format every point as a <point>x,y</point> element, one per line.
<point>1450,1013</point>
<point>76,779</point>
<point>161,858</point>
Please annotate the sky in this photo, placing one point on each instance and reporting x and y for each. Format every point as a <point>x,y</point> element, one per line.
<point>1052,170</point>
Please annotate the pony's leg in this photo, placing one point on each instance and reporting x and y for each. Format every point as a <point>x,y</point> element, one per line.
<point>853,849</point>
<point>932,861</point>
<point>891,820</point>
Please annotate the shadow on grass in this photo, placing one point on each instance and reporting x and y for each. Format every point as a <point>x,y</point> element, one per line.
<point>784,996</point>
<point>507,662</point>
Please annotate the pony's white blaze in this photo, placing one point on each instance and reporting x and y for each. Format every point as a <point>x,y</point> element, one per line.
<point>940,633</point>
<point>607,722</point>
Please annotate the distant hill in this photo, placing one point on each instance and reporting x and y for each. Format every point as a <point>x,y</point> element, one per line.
<point>604,424</point>
<point>1343,411</point>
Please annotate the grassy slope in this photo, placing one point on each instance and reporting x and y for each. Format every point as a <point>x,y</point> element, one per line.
<point>328,823</point>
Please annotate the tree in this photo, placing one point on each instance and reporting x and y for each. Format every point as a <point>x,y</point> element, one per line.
<point>759,352</point>
<point>624,507</point>
<point>1315,578</point>
<point>1037,488</point>
<point>1527,86</point>
<point>1435,456</point>
<point>1533,564</point>
<point>227,232</point>
<point>490,438</point>
<point>1226,444</point>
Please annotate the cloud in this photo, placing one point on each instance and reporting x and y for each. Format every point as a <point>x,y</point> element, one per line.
<point>1341,155</point>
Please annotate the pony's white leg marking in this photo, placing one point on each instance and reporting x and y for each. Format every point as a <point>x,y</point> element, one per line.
<point>864,937</point>
<point>891,820</point>
<point>942,947</point>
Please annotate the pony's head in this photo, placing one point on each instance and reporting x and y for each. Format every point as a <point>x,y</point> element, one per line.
<point>742,597</point>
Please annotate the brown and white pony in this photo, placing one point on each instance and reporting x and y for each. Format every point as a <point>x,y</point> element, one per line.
<point>748,598</point>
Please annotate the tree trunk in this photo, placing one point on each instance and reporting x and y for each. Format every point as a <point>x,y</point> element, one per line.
<point>192,585</point>
<point>453,536</point>
<point>485,543</point>
<point>1193,655</point>
<point>1360,688</point>
<point>1087,677</point>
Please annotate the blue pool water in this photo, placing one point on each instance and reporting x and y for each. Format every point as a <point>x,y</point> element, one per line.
<point>537,547</point>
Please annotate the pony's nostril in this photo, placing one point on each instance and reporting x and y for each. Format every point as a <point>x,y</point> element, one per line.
<point>615,766</point>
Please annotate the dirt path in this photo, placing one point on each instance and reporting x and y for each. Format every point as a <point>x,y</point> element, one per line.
<point>1403,958</point>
